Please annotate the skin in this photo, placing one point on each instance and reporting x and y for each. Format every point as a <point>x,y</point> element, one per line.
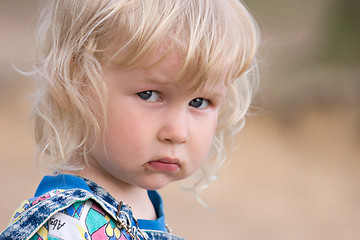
<point>157,131</point>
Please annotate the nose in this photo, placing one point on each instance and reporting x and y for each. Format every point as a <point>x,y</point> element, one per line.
<point>174,127</point>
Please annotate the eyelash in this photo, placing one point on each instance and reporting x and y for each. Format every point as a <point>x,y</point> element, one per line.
<point>148,96</point>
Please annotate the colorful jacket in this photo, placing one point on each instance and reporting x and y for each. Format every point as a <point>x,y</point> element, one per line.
<point>71,207</point>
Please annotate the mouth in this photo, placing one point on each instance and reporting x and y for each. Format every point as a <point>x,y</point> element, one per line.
<point>167,164</point>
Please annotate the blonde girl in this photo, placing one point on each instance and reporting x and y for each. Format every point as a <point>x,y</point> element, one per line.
<point>132,95</point>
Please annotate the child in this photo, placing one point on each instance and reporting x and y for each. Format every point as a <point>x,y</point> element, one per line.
<point>133,95</point>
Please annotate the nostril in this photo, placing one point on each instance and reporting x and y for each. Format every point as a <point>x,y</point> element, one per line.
<point>174,133</point>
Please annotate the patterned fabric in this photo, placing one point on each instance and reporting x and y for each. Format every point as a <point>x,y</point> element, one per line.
<point>25,205</point>
<point>81,221</point>
<point>77,214</point>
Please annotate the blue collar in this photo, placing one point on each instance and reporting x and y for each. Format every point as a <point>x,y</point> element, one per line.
<point>66,182</point>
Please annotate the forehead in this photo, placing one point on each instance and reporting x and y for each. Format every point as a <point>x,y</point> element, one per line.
<point>163,63</point>
<point>164,59</point>
<point>162,68</point>
<point>168,58</point>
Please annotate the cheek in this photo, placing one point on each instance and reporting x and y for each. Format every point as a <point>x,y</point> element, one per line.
<point>204,137</point>
<point>212,126</point>
<point>126,128</point>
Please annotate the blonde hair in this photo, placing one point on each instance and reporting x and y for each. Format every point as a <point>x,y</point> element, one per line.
<point>215,37</point>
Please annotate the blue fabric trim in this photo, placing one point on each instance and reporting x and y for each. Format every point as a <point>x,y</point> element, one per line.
<point>158,224</point>
<point>61,181</point>
<point>67,182</point>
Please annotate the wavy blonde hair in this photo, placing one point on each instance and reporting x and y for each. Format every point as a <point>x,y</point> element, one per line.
<point>214,37</point>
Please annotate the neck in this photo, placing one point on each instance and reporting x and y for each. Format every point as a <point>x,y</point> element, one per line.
<point>137,198</point>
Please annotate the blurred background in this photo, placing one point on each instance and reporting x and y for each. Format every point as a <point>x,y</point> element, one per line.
<point>295,174</point>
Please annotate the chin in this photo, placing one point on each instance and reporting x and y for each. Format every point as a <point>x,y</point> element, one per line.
<point>153,184</point>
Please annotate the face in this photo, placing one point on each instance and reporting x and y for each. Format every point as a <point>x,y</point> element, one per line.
<point>158,131</point>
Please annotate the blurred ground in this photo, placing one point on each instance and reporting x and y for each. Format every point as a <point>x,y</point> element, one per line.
<point>295,174</point>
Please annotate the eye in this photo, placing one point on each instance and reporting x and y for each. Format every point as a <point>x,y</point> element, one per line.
<point>149,95</point>
<point>199,103</point>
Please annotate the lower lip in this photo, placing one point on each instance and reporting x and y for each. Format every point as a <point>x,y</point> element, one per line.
<point>163,166</point>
